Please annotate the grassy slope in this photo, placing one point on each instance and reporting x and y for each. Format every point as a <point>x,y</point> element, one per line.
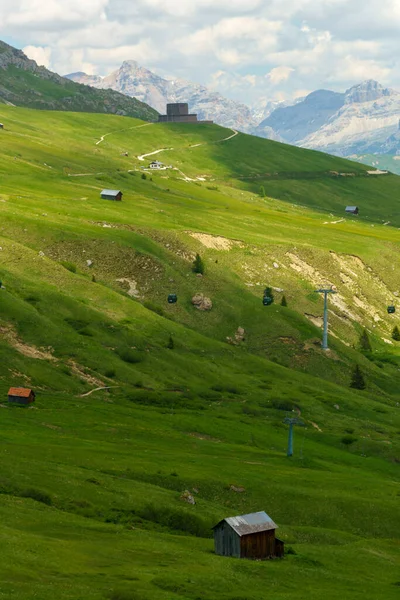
<point>90,485</point>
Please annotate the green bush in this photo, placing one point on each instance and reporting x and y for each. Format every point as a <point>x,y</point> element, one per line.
<point>130,356</point>
<point>348,440</point>
<point>37,495</point>
<point>283,404</point>
<point>68,265</point>
<point>396,334</point>
<point>357,379</point>
<point>198,265</point>
<point>365,344</point>
<point>154,308</point>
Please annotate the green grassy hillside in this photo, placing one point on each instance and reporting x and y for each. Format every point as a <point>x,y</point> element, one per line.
<point>91,480</point>
<point>24,83</point>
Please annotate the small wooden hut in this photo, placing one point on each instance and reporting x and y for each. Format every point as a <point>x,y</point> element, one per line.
<point>248,536</point>
<point>111,194</point>
<point>22,396</point>
<point>352,210</point>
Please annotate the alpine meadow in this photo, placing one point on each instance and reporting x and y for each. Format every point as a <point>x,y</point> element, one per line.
<point>161,376</point>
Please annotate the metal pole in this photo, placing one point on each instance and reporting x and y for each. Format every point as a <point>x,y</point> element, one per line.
<point>290,441</point>
<point>325,337</point>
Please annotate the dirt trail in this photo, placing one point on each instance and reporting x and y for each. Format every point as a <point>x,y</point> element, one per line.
<point>234,134</point>
<point>121,130</point>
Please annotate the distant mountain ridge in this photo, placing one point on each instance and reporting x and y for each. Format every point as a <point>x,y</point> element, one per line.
<point>24,83</point>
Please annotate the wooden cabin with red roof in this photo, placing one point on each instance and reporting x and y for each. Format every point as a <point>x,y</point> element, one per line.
<point>22,396</point>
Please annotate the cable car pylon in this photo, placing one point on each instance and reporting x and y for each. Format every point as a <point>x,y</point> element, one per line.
<point>326,291</point>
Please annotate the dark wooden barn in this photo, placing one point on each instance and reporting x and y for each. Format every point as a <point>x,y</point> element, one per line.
<point>248,536</point>
<point>21,396</point>
<point>352,210</point>
<point>111,194</point>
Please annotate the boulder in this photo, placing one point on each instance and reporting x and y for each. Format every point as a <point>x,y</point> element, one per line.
<point>186,496</point>
<point>237,489</point>
<point>201,302</point>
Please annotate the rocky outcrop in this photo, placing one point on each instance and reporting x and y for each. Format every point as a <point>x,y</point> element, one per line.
<point>201,302</point>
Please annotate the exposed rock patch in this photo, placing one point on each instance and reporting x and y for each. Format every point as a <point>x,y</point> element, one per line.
<point>215,242</point>
<point>11,337</point>
<point>201,302</point>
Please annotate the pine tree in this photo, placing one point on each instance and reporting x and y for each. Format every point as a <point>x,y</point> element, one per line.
<point>365,344</point>
<point>357,379</point>
<point>262,192</point>
<point>198,265</point>
<point>396,334</point>
<point>283,301</point>
<point>170,344</point>
<point>268,292</point>
<point>144,176</point>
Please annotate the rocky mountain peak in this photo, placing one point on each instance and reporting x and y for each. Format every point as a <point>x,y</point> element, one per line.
<point>367,91</point>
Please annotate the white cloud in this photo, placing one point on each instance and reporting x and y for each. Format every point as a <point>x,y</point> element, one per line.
<point>279,74</point>
<point>264,48</point>
<point>41,55</point>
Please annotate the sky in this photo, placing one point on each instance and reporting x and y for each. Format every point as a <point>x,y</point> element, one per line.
<point>249,50</point>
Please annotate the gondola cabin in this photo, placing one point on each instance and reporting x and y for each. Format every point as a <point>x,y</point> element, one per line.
<point>22,396</point>
<point>172,299</point>
<point>248,536</point>
<point>391,310</point>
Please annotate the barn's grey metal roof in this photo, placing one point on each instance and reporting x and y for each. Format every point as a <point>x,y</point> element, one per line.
<point>351,207</point>
<point>252,523</point>
<point>111,192</point>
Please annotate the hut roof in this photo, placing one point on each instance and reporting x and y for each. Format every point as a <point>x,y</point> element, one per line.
<point>21,392</point>
<point>351,208</point>
<point>111,192</point>
<point>252,523</point>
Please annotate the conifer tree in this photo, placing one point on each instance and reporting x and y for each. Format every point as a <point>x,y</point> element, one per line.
<point>365,344</point>
<point>170,344</point>
<point>396,334</point>
<point>262,192</point>
<point>198,265</point>
<point>283,301</point>
<point>357,379</point>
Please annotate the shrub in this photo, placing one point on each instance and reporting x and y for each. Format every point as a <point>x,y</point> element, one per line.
<point>37,495</point>
<point>170,344</point>
<point>283,301</point>
<point>68,265</point>
<point>357,379</point>
<point>144,176</point>
<point>130,356</point>
<point>348,440</point>
<point>110,373</point>
<point>396,334</point>
<point>154,308</point>
<point>283,404</point>
<point>262,192</point>
<point>365,344</point>
<point>198,265</point>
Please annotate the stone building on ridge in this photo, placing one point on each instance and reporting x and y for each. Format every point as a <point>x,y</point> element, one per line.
<point>179,113</point>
